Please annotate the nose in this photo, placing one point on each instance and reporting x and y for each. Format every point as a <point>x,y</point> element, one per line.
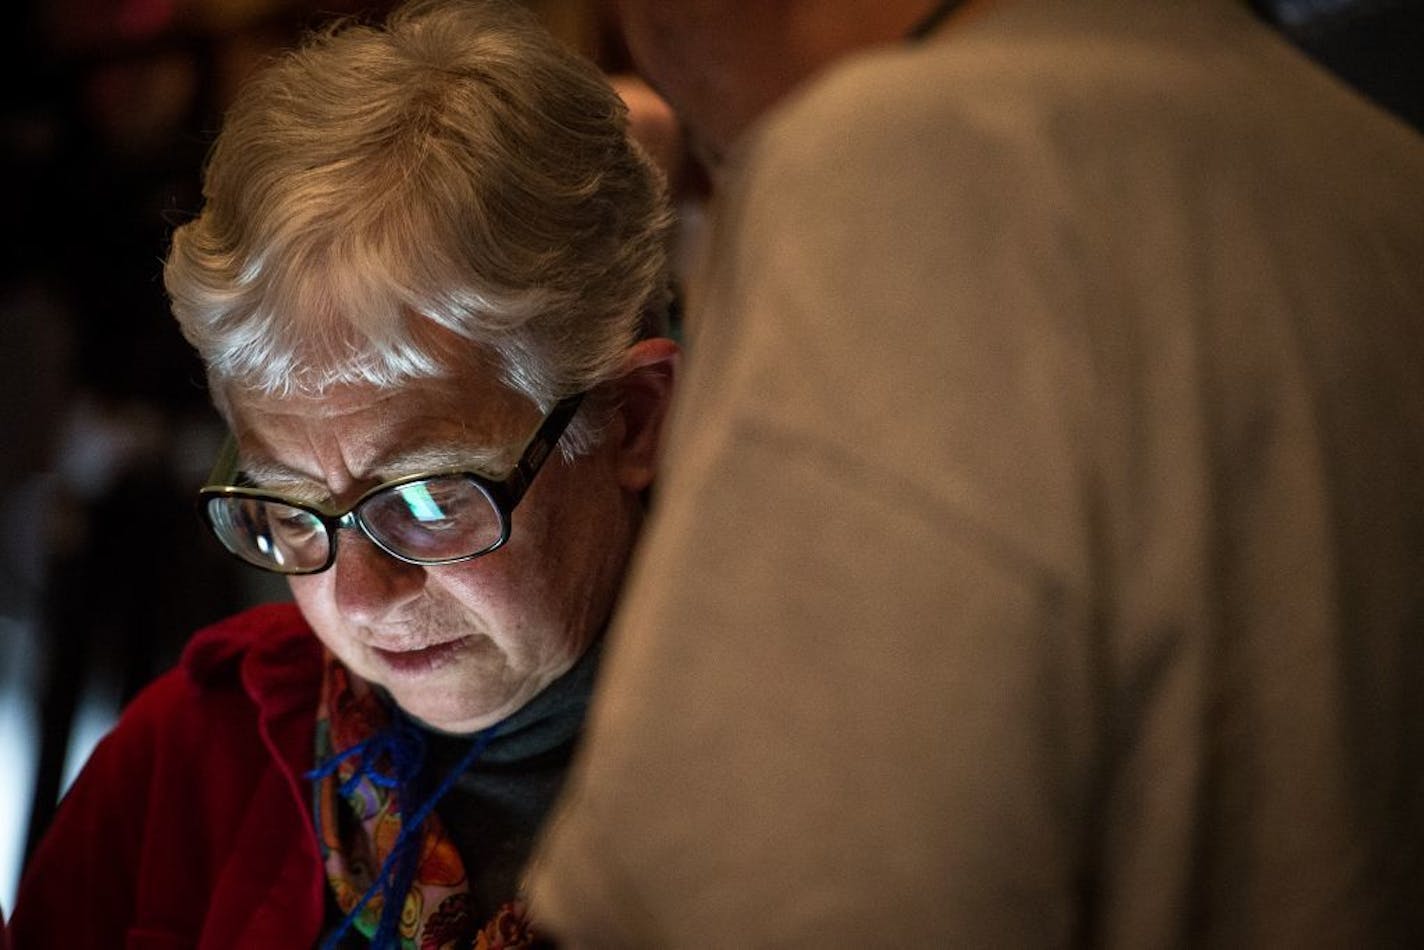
<point>369,584</point>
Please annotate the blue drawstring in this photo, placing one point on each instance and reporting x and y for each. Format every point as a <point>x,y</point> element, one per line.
<point>403,745</point>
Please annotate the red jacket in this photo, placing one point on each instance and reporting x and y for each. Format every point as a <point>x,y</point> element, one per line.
<point>191,824</point>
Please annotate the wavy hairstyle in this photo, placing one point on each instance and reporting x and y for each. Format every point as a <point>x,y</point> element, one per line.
<point>456,168</point>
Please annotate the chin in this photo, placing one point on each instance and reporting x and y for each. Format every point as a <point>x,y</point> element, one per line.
<point>457,718</point>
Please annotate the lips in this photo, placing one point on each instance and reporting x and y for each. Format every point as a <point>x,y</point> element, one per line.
<point>423,660</point>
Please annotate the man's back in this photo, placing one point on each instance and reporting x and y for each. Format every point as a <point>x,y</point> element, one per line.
<point>1042,560</point>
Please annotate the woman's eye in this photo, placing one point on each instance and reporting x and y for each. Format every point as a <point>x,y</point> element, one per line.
<point>435,505</point>
<point>294,525</point>
<point>447,517</point>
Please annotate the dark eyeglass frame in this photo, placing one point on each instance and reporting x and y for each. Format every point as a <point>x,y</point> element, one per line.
<point>503,493</point>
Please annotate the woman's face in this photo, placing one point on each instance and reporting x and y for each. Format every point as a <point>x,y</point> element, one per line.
<point>463,645</point>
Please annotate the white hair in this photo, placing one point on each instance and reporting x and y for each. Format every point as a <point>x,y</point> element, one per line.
<point>457,169</point>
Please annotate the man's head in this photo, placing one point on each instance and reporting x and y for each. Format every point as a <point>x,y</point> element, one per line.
<point>723,63</point>
<point>417,241</point>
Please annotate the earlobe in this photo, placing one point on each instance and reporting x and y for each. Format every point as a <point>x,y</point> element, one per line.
<point>645,392</point>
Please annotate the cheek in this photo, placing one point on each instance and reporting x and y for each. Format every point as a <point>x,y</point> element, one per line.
<point>540,579</point>
<point>312,592</point>
<point>309,592</point>
<point>480,586</point>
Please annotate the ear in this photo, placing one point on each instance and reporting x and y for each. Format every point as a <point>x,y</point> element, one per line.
<point>644,392</point>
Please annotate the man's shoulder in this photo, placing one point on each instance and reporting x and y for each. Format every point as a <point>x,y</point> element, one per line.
<point>1049,82</point>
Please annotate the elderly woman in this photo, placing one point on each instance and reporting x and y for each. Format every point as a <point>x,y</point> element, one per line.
<point>424,284</point>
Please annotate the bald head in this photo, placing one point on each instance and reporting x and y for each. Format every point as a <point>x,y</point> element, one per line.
<point>722,63</point>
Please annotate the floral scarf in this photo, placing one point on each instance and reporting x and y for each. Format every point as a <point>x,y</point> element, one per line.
<point>365,788</point>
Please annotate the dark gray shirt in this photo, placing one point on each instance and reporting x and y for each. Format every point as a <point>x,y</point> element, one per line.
<point>498,806</point>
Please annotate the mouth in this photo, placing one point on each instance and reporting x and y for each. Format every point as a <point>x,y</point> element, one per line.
<point>422,660</point>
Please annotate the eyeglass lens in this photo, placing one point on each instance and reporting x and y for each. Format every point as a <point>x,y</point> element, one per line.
<point>435,519</point>
<point>270,534</point>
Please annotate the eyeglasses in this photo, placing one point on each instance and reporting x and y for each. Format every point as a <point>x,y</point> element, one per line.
<point>431,518</point>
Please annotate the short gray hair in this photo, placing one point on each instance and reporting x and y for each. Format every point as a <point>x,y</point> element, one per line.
<point>456,168</point>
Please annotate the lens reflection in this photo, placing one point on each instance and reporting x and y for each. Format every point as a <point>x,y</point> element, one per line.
<point>434,519</point>
<point>270,534</point>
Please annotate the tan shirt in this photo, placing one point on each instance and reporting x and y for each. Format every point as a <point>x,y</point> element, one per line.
<point>1040,559</point>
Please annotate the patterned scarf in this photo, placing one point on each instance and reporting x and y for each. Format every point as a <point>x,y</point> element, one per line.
<point>366,794</point>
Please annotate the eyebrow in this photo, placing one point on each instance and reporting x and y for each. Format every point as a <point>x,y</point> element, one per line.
<point>276,476</point>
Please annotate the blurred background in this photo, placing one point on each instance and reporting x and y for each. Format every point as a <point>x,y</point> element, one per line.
<point>107,109</point>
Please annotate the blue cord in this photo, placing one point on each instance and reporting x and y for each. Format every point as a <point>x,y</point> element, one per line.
<point>403,745</point>
<point>405,759</point>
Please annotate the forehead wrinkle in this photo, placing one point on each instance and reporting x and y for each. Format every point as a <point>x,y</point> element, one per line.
<point>439,456</point>
<point>267,471</point>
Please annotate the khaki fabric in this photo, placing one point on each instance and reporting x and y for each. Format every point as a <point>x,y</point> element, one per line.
<point>1040,555</point>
